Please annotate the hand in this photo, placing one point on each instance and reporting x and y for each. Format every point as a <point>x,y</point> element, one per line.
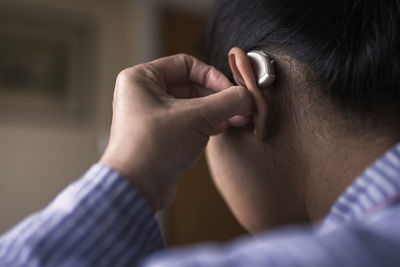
<point>163,115</point>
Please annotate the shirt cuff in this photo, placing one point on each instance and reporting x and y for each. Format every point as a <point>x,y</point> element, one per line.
<point>126,202</point>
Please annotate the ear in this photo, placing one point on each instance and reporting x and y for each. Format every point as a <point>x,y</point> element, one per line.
<point>242,70</point>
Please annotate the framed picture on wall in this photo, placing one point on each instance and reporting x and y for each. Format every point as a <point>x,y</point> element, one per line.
<point>47,65</point>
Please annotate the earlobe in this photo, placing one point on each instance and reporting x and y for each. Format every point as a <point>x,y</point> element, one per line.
<point>244,74</point>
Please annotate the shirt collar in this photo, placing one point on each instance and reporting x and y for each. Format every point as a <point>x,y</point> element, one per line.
<point>375,189</point>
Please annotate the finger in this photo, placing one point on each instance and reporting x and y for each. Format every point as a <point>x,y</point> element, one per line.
<point>239,121</point>
<point>188,90</point>
<point>218,108</point>
<point>183,68</point>
<point>192,90</point>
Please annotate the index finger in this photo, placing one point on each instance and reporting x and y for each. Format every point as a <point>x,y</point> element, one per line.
<point>183,68</point>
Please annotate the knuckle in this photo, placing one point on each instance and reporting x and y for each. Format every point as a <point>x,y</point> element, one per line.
<point>124,75</point>
<point>128,74</point>
<point>183,56</point>
<point>209,75</point>
<point>186,58</point>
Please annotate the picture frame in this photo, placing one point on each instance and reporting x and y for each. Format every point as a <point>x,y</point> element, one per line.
<point>47,65</point>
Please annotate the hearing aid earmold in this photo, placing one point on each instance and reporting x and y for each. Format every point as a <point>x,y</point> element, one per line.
<point>263,67</point>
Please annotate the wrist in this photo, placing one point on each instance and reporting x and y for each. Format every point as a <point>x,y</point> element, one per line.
<point>134,176</point>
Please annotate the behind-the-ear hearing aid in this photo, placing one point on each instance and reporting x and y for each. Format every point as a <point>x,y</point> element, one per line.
<point>263,67</point>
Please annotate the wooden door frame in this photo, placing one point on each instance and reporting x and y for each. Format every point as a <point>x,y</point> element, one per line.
<point>147,21</point>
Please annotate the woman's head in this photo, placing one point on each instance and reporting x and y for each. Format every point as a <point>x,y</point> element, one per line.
<point>350,47</point>
<point>337,75</point>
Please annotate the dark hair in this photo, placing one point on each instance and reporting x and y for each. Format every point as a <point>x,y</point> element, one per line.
<point>351,46</point>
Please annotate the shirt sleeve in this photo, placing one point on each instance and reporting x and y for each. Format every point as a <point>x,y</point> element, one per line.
<point>100,220</point>
<point>370,244</point>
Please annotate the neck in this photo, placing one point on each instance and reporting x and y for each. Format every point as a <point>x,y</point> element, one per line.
<point>334,163</point>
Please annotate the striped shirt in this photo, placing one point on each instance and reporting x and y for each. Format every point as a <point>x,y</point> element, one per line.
<point>101,220</point>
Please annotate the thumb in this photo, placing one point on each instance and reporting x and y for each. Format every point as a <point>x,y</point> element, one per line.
<point>219,107</point>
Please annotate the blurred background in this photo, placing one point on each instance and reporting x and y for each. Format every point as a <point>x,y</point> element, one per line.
<point>58,64</point>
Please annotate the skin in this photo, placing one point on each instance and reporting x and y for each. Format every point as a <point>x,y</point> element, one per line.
<point>163,115</point>
<point>295,174</point>
<point>286,160</point>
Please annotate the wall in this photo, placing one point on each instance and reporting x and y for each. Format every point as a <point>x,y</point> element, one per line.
<point>147,23</point>
<point>36,162</point>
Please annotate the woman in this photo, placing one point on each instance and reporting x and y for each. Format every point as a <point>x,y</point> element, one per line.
<point>328,125</point>
<point>332,112</point>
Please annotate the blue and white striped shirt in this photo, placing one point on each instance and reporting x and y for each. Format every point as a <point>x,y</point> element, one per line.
<point>101,220</point>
